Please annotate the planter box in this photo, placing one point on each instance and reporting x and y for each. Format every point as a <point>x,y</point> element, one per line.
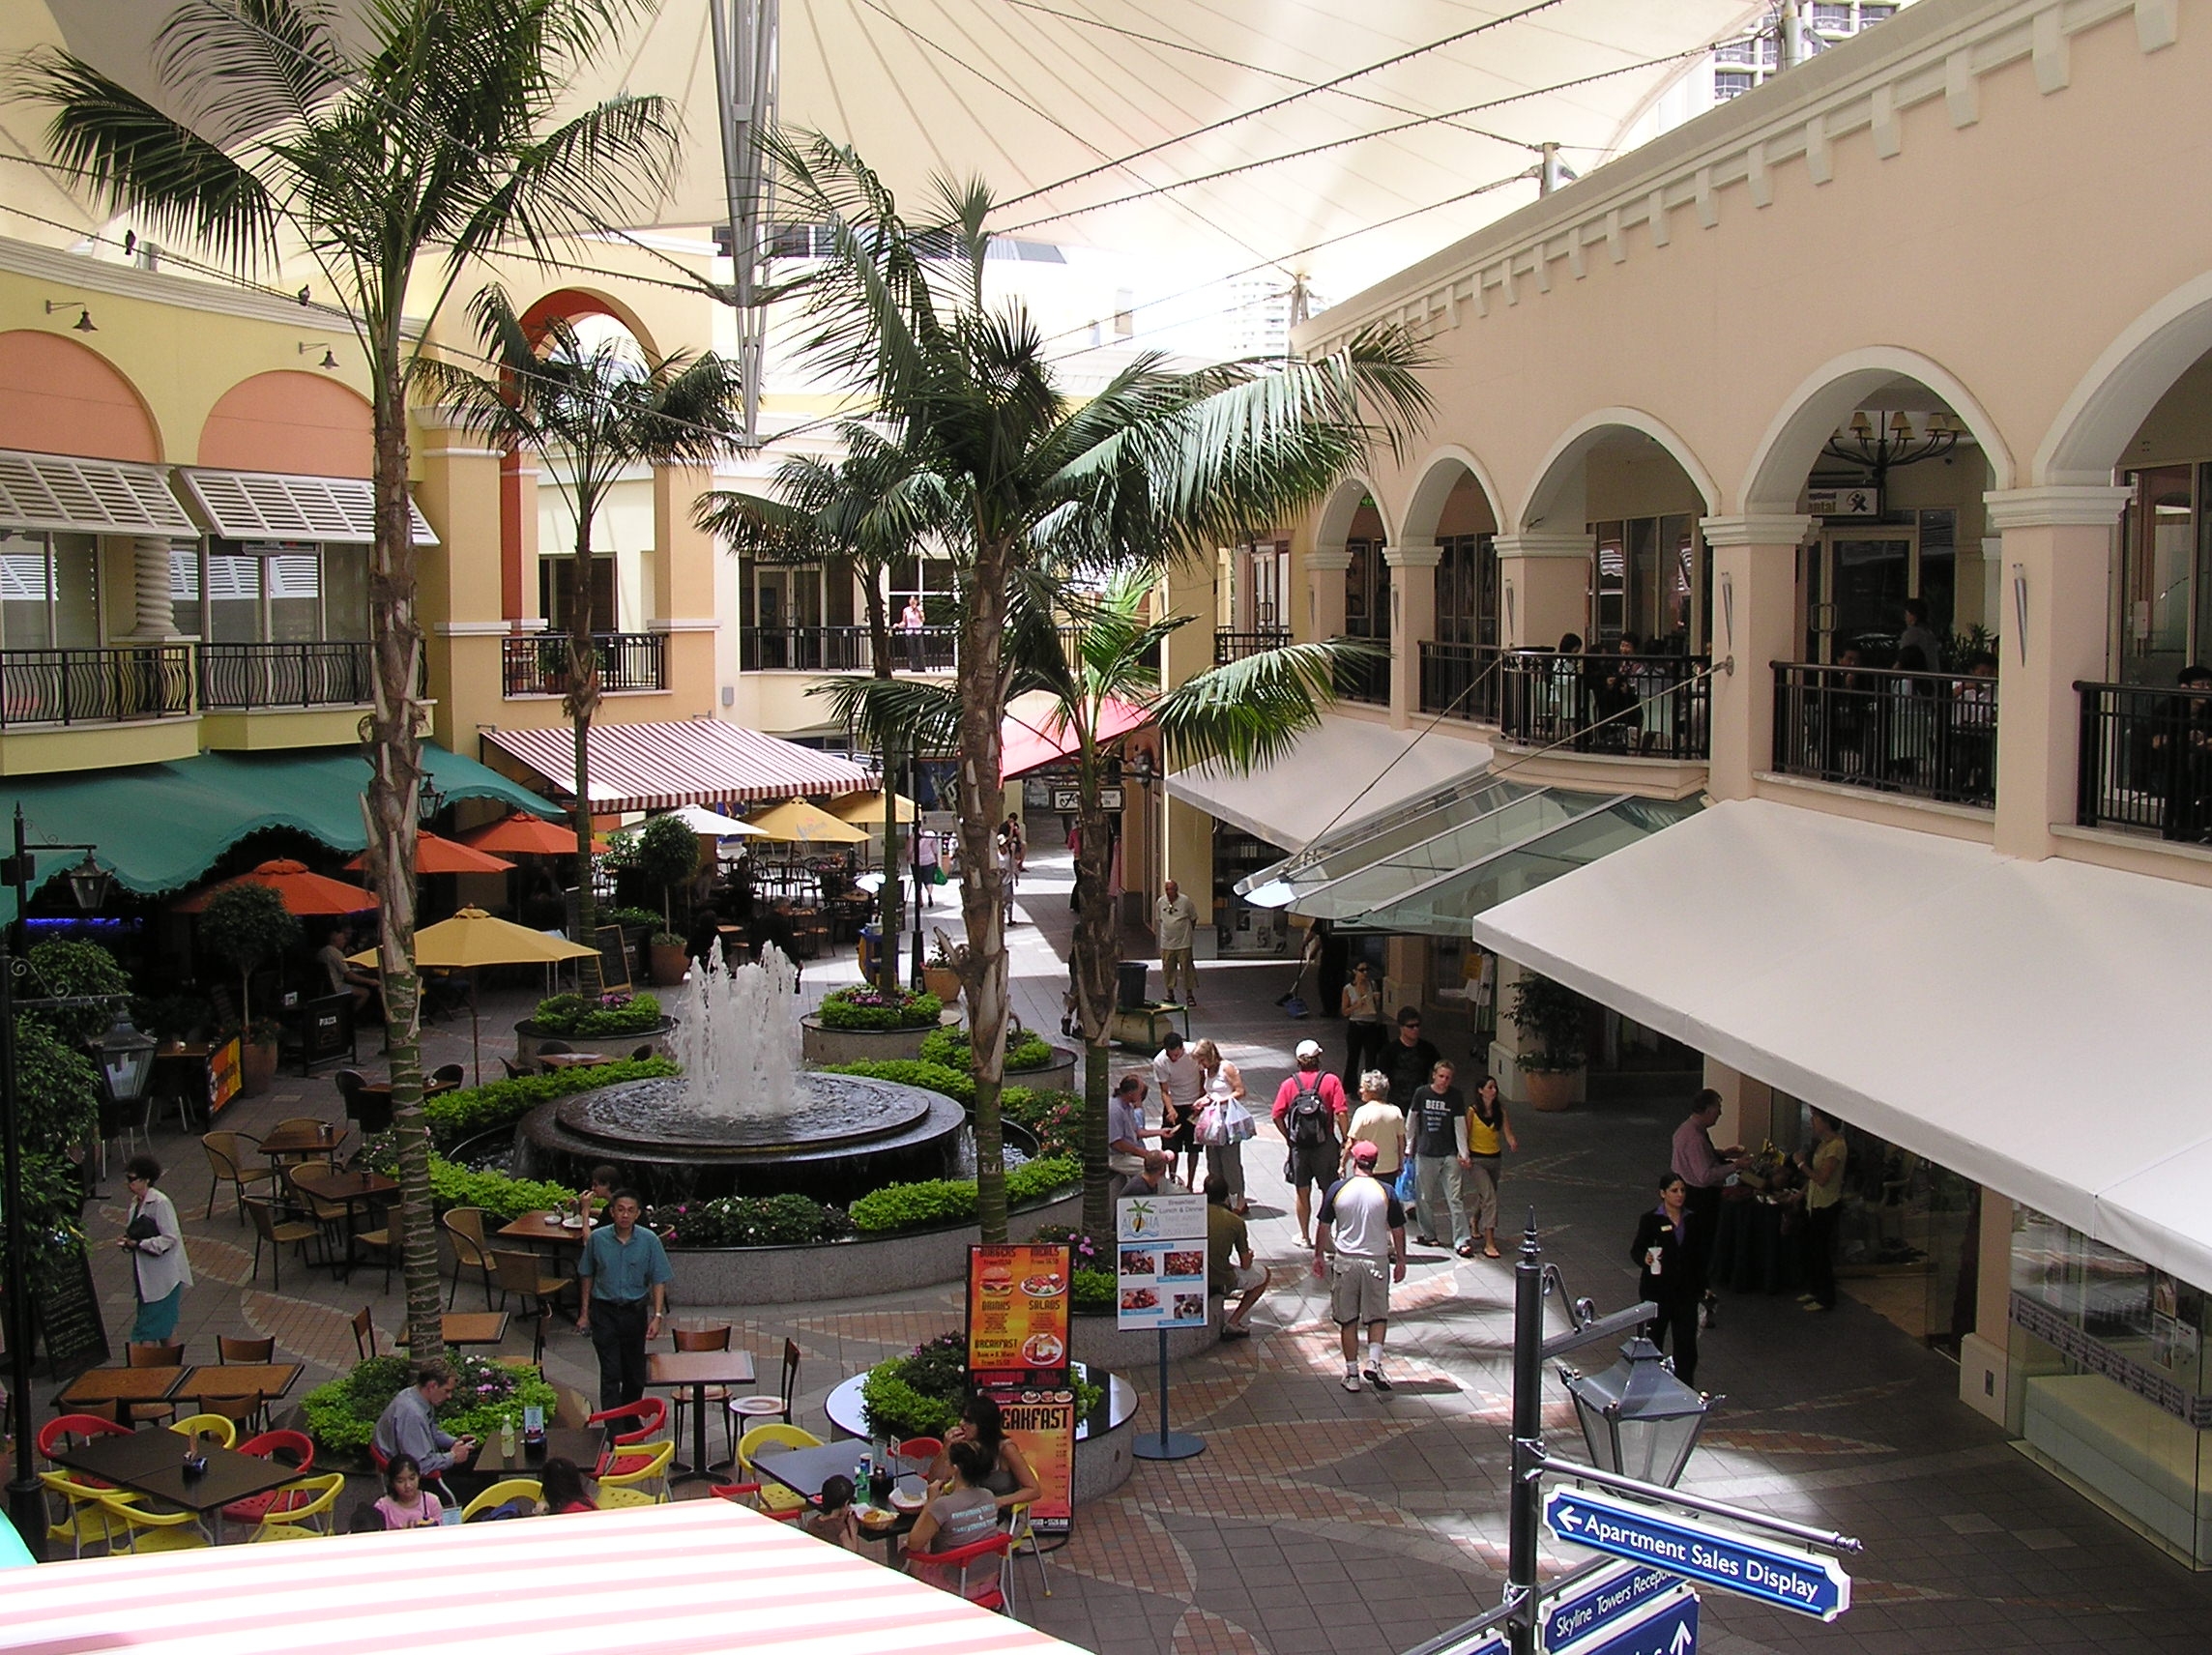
<point>528,1040</point>
<point>1059,1075</point>
<point>826,1046</point>
<point>1552,1089</point>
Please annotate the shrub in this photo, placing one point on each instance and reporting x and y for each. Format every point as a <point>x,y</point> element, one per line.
<point>457,1116</point>
<point>246,926</point>
<point>749,1221</point>
<point>629,919</point>
<point>955,1083</point>
<point>341,1415</point>
<point>953,1200</point>
<point>1095,1289</point>
<point>501,1197</point>
<point>68,970</point>
<point>862,1006</point>
<point>1034,1180</point>
<point>1055,1119</point>
<point>922,1393</point>
<point>949,1047</point>
<point>594,1018</point>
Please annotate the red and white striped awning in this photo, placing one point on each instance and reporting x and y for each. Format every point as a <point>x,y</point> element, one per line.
<point>696,1575</point>
<point>700,761</point>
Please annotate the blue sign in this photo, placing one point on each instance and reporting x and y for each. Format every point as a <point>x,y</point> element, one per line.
<point>1669,1627</point>
<point>1598,1601</point>
<point>1757,1569</point>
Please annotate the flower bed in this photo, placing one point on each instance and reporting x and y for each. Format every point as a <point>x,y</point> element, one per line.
<point>596,1017</point>
<point>862,1006</point>
<point>1091,1291</point>
<point>922,1393</point>
<point>341,1416</point>
<point>457,1115</point>
<point>949,1047</point>
<point>749,1221</point>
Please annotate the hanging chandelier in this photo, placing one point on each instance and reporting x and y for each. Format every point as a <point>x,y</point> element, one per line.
<point>1881,442</point>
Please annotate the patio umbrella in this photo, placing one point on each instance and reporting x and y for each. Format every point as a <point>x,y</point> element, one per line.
<point>525,836</point>
<point>797,822</point>
<point>473,937</point>
<point>1034,733</point>
<point>300,891</point>
<point>434,855</point>
<point>867,809</point>
<point>712,824</point>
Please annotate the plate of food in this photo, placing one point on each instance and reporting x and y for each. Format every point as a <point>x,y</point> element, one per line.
<point>875,1517</point>
<point>1048,1284</point>
<point>1139,1298</point>
<point>1045,1350</point>
<point>1186,1264</point>
<point>572,1223</point>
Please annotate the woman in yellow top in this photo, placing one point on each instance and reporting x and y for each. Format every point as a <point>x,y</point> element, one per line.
<point>1489,1134</point>
<point>1823,1206</point>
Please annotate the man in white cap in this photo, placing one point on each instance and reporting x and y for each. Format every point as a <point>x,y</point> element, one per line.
<point>1309,1112</point>
<point>1362,1216</point>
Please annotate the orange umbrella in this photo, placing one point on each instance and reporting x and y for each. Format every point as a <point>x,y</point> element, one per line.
<point>522,835</point>
<point>302,892</point>
<point>436,855</point>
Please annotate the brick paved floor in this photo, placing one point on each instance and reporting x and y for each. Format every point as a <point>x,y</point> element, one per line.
<point>1319,1520</point>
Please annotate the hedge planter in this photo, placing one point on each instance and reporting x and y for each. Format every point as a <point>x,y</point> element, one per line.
<point>529,1039</point>
<point>1059,1075</point>
<point>1551,1090</point>
<point>826,1046</point>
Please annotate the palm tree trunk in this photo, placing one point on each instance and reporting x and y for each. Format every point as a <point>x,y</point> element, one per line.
<point>983,962</point>
<point>580,702</point>
<point>1097,953</point>
<point>879,642</point>
<point>394,752</point>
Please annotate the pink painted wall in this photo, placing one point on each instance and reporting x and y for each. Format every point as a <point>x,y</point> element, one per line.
<point>290,422</point>
<point>58,397</point>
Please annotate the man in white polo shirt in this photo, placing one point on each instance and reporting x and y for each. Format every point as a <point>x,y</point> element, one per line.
<point>1363,1216</point>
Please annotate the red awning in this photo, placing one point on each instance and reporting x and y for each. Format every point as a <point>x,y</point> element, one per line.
<point>1034,734</point>
<point>700,761</point>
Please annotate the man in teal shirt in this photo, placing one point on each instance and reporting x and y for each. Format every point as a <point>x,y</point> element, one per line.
<point>624,1267</point>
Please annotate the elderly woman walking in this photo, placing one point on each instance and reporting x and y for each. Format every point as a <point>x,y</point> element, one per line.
<point>160,1270</point>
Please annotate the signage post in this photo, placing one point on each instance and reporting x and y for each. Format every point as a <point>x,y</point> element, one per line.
<point>1783,1577</point>
<point>1160,1283</point>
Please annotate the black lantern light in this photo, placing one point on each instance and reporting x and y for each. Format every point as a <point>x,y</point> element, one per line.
<point>428,801</point>
<point>89,882</point>
<point>127,1058</point>
<point>1637,1418</point>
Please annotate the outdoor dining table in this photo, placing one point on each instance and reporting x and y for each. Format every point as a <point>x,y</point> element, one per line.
<point>803,1472</point>
<point>674,1370</point>
<point>473,1326</point>
<point>354,1191</point>
<point>228,1382</point>
<point>305,1142</point>
<point>542,1225</point>
<point>105,1387</point>
<point>580,1447</point>
<point>152,1463</point>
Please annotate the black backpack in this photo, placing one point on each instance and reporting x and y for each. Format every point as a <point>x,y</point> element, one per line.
<point>1309,1116</point>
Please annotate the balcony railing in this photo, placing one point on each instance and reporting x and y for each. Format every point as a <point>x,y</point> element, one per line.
<point>95,686</point>
<point>1366,680</point>
<point>2146,760</point>
<point>1654,707</point>
<point>242,676</point>
<point>1230,645</point>
<point>538,665</point>
<point>1929,734</point>
<point>842,649</point>
<point>1461,681</point>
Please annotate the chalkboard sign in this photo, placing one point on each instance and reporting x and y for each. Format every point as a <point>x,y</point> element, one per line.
<point>614,959</point>
<point>67,1313</point>
<point>326,1031</point>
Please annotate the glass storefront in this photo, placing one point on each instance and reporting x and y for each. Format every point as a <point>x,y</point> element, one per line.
<point>1244,928</point>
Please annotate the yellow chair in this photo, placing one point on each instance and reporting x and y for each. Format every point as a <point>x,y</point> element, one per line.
<point>309,1522</point>
<point>143,1531</point>
<point>1023,1538</point>
<point>85,1520</point>
<point>500,1493</point>
<point>214,1425</point>
<point>773,1496</point>
<point>652,1474</point>
<point>613,1500</point>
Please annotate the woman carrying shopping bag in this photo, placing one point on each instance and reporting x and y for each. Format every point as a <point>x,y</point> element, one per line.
<point>1224,1123</point>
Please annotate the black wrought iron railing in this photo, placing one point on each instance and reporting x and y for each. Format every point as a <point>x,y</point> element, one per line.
<point>1654,706</point>
<point>95,686</point>
<point>1232,646</point>
<point>242,677</point>
<point>1461,681</point>
<point>539,664</point>
<point>2146,760</point>
<point>842,649</point>
<point>1928,735</point>
<point>1366,679</point>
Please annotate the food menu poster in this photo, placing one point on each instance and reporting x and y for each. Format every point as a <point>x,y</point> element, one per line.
<point>1160,1262</point>
<point>1041,1420</point>
<point>1018,1302</point>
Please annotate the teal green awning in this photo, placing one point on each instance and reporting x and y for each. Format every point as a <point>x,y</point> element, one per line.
<point>158,827</point>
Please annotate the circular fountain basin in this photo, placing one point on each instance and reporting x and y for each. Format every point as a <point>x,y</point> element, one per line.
<point>843,1136</point>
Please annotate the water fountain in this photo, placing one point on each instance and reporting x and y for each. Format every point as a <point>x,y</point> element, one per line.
<point>744,1117</point>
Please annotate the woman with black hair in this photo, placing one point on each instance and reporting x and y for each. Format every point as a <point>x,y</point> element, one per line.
<point>159,1271</point>
<point>561,1487</point>
<point>1006,1470</point>
<point>1672,1276</point>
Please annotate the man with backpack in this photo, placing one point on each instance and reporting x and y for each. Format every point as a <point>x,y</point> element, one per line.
<point>1309,1112</point>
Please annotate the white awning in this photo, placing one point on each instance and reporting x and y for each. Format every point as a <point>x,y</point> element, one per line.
<point>271,505</point>
<point>2038,1027</point>
<point>1344,771</point>
<point>88,497</point>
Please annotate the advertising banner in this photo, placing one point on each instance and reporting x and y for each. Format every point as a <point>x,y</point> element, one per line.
<point>224,1076</point>
<point>1018,1298</point>
<point>1041,1423</point>
<point>1160,1262</point>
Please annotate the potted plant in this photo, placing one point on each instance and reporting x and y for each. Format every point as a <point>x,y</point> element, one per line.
<point>246,926</point>
<point>938,974</point>
<point>1548,1016</point>
<point>665,961</point>
<point>666,856</point>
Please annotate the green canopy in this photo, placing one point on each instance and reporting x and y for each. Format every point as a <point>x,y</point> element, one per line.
<point>159,827</point>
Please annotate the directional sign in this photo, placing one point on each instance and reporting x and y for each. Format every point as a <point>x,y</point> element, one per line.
<point>1757,1569</point>
<point>1597,1600</point>
<point>1664,1626</point>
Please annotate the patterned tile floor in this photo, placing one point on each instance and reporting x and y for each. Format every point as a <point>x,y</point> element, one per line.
<point>1319,1520</point>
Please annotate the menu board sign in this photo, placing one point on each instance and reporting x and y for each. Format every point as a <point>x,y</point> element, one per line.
<point>1018,1300</point>
<point>1160,1261</point>
<point>1041,1423</point>
<point>224,1076</point>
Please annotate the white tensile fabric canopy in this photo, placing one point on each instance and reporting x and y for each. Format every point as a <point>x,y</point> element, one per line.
<point>2037,1026</point>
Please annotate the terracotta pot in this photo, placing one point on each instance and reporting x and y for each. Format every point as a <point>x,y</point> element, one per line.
<point>1552,1089</point>
<point>256,1068</point>
<point>943,982</point>
<point>666,963</point>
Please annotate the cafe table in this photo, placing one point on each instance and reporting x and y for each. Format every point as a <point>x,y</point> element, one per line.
<point>105,1387</point>
<point>674,1370</point>
<point>473,1326</point>
<point>581,1447</point>
<point>542,1225</point>
<point>303,1142</point>
<point>803,1472</point>
<point>354,1191</point>
<point>152,1463</point>
<point>228,1381</point>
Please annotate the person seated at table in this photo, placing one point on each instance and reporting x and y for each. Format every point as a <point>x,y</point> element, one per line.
<point>699,941</point>
<point>366,1518</point>
<point>346,976</point>
<point>406,1502</point>
<point>1006,1474</point>
<point>602,1189</point>
<point>561,1487</point>
<point>959,1513</point>
<point>833,1519</point>
<point>409,1426</point>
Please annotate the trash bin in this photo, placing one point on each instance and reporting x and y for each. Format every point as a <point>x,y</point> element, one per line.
<point>872,943</point>
<point>1130,979</point>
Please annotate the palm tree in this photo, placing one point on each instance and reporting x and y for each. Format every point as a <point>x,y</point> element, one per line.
<point>591,412</point>
<point>1175,463</point>
<point>382,142</point>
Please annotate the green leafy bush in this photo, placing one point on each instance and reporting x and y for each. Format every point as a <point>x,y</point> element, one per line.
<point>457,1115</point>
<point>861,1005</point>
<point>1095,1289</point>
<point>1034,1180</point>
<point>595,1018</point>
<point>949,1047</point>
<point>1055,1119</point>
<point>62,970</point>
<point>500,1196</point>
<point>629,919</point>
<point>922,1393</point>
<point>955,1083</point>
<point>749,1221</point>
<point>937,1201</point>
<point>341,1416</point>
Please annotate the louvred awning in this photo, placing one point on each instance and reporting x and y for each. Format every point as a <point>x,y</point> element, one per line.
<point>699,761</point>
<point>267,506</point>
<point>90,497</point>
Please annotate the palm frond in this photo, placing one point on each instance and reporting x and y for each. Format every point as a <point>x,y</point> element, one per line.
<point>1250,713</point>
<point>891,713</point>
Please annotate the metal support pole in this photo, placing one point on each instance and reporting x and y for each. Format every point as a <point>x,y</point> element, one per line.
<point>744,43</point>
<point>1168,1444</point>
<point>26,1502</point>
<point>1525,1507</point>
<point>914,855</point>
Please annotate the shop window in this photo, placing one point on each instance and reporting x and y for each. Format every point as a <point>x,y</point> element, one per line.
<point>1466,590</point>
<point>49,592</point>
<point>932,579</point>
<point>2159,552</point>
<point>1366,591</point>
<point>1651,578</point>
<point>555,599</point>
<point>278,592</point>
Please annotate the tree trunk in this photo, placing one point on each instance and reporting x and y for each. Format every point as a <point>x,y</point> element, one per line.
<point>982,960</point>
<point>1096,951</point>
<point>879,642</point>
<point>580,702</point>
<point>395,753</point>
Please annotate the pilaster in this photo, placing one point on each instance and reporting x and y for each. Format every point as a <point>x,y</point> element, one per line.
<point>1755,621</point>
<point>1413,621</point>
<point>1543,587</point>
<point>1324,594</point>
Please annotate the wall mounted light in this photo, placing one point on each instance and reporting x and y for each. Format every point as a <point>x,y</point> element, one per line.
<point>83,323</point>
<point>329,357</point>
<point>2020,607</point>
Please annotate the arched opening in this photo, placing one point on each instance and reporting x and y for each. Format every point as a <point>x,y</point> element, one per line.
<point>303,423</point>
<point>1454,505</point>
<point>59,397</point>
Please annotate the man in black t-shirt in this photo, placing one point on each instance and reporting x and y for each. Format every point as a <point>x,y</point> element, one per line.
<point>1408,1060</point>
<point>1438,1123</point>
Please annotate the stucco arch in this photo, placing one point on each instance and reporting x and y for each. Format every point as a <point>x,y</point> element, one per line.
<point>291,421</point>
<point>1334,526</point>
<point>570,302</point>
<point>1786,454</point>
<point>58,396</point>
<point>1438,474</point>
<point>1559,466</point>
<point>2113,398</point>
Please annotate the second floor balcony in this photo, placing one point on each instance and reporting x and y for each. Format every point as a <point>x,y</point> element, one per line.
<point>629,662</point>
<point>1460,681</point>
<point>1926,735</point>
<point>95,687</point>
<point>1648,706</point>
<point>842,649</point>
<point>1234,645</point>
<point>245,678</point>
<point>2146,761</point>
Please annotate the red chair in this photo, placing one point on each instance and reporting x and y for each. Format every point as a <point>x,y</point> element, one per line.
<point>71,1429</point>
<point>648,1416</point>
<point>747,1495</point>
<point>274,1504</point>
<point>922,1565</point>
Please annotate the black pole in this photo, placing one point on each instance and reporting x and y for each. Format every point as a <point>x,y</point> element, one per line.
<point>1163,1393</point>
<point>914,857</point>
<point>1527,1437</point>
<point>1169,1444</point>
<point>26,1503</point>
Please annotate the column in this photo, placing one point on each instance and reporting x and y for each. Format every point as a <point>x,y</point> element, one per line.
<point>1413,621</point>
<point>1543,587</point>
<point>1186,838</point>
<point>1324,594</point>
<point>680,594</point>
<point>463,612</point>
<point>150,586</point>
<point>2054,591</point>
<point>1754,623</point>
<point>1747,1106</point>
<point>1985,1354</point>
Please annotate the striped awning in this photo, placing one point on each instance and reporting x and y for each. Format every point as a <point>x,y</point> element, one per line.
<point>693,1575</point>
<point>700,761</point>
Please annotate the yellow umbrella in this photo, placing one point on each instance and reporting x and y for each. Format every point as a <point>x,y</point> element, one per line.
<point>473,937</point>
<point>794,821</point>
<point>867,809</point>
